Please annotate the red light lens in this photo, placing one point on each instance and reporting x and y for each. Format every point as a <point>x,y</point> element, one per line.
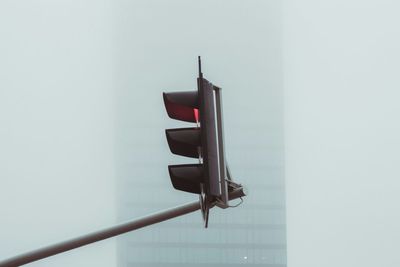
<point>196,114</point>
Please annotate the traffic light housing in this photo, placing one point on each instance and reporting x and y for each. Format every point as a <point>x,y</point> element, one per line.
<point>204,141</point>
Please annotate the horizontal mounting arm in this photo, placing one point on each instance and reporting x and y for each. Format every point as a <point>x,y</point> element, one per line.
<point>119,229</point>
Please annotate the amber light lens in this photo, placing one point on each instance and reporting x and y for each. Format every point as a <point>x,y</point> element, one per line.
<point>184,141</point>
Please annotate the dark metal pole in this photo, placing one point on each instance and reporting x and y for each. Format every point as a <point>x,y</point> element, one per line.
<point>105,233</point>
<point>99,235</point>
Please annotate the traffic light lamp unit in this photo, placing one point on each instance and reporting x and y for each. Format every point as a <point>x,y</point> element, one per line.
<point>210,178</point>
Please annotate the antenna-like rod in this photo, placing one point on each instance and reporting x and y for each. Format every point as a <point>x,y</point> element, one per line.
<point>200,73</point>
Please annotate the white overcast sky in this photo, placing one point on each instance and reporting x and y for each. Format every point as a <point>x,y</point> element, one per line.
<point>340,81</point>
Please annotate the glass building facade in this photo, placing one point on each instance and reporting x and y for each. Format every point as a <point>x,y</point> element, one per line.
<point>251,234</point>
<point>159,53</point>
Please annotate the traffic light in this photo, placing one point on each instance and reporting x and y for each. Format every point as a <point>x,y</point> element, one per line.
<point>210,178</point>
<point>204,140</point>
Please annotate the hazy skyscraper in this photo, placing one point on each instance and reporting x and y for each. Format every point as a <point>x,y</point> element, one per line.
<point>240,48</point>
